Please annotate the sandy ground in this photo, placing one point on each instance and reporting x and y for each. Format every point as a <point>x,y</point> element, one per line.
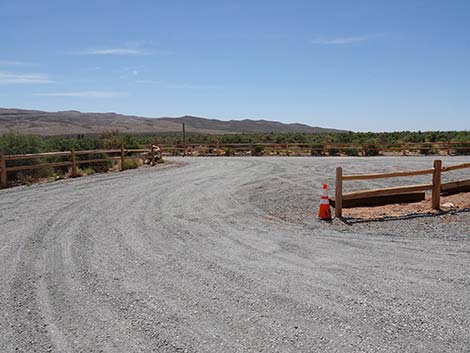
<point>449,204</point>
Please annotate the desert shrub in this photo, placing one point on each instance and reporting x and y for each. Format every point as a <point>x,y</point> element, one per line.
<point>258,150</point>
<point>45,172</point>
<point>99,167</point>
<point>17,143</point>
<point>114,139</point>
<point>462,149</point>
<point>317,150</point>
<point>427,149</point>
<point>14,143</point>
<point>333,151</point>
<point>22,178</point>
<point>351,152</point>
<point>130,164</point>
<point>55,177</point>
<point>85,171</point>
<point>229,151</point>
<point>28,177</point>
<point>371,150</point>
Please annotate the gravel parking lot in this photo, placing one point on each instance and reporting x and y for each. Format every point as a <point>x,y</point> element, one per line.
<point>226,255</point>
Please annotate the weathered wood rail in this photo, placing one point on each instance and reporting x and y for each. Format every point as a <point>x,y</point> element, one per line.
<point>436,186</point>
<point>73,160</point>
<point>326,149</point>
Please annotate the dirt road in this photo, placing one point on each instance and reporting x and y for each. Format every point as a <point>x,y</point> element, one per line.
<point>196,259</point>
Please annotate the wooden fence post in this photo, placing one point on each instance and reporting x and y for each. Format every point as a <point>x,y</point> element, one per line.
<point>152,153</point>
<point>287,149</point>
<point>122,157</point>
<point>73,159</point>
<point>3,175</point>
<point>339,192</point>
<point>436,185</point>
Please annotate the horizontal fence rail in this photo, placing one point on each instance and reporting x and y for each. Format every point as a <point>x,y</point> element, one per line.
<point>436,186</point>
<point>387,175</point>
<point>326,149</point>
<point>74,160</point>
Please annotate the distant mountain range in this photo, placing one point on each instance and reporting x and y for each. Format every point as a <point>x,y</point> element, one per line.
<point>74,122</point>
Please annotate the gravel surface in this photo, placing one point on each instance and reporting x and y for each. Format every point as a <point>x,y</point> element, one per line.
<point>225,255</point>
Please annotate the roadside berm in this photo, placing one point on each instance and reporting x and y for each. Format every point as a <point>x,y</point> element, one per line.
<point>457,202</point>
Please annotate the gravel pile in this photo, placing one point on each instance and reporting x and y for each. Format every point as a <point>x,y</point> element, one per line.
<point>293,196</point>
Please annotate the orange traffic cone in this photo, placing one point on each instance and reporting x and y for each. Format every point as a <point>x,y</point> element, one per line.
<point>324,212</point>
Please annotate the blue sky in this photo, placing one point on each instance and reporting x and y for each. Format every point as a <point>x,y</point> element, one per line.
<point>357,65</point>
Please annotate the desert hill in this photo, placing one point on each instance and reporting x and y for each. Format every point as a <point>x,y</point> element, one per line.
<point>74,122</point>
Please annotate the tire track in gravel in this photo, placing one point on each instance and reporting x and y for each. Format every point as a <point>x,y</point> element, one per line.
<point>30,324</point>
<point>189,260</point>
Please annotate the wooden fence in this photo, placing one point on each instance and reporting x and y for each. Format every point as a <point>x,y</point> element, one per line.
<point>73,160</point>
<point>436,186</point>
<point>327,149</point>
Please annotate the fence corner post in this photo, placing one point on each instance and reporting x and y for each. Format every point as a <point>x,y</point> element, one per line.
<point>122,157</point>
<point>73,159</point>
<point>3,172</point>
<point>339,192</point>
<point>436,185</point>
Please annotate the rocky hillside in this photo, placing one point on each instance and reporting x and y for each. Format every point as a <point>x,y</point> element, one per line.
<point>75,122</point>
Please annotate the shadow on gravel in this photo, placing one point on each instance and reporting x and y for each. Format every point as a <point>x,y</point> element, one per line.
<point>351,221</point>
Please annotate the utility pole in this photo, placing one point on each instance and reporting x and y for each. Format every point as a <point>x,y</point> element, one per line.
<point>184,141</point>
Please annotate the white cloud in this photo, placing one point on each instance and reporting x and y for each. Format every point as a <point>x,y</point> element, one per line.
<point>175,85</point>
<point>162,52</point>
<point>110,51</point>
<point>8,78</point>
<point>344,40</point>
<point>84,94</point>
<point>129,49</point>
<point>129,72</point>
<point>92,68</point>
<point>149,82</point>
<point>15,63</point>
<point>192,86</point>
